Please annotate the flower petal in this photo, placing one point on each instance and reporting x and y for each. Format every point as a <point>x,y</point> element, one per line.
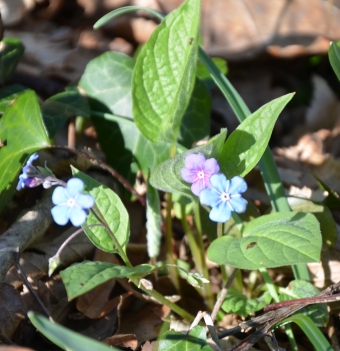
<point>237,185</point>
<point>219,182</point>
<point>188,175</point>
<point>85,200</point>
<point>239,204</point>
<point>74,186</point>
<point>194,161</point>
<point>211,166</point>
<point>197,187</point>
<point>60,214</point>
<point>77,216</point>
<point>59,195</point>
<point>209,197</point>
<point>220,213</point>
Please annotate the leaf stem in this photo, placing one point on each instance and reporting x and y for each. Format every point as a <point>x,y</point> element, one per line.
<point>168,242</point>
<point>223,268</point>
<point>207,287</point>
<point>192,241</point>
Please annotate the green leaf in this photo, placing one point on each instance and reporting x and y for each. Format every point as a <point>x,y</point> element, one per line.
<point>334,58</point>
<point>323,215</point>
<point>164,74</point>
<point>154,221</point>
<point>194,341</point>
<point>196,120</point>
<point>167,176</point>
<point>298,289</point>
<point>60,107</point>
<point>313,333</point>
<point>113,211</point>
<point>107,82</point>
<point>8,94</point>
<point>23,133</point>
<point>11,50</point>
<point>123,10</point>
<point>65,338</point>
<point>273,240</point>
<point>203,73</point>
<point>246,145</point>
<point>85,276</point>
<point>237,303</point>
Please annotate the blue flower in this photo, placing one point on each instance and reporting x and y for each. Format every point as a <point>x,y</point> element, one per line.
<point>224,197</point>
<point>198,171</point>
<point>29,178</point>
<point>71,204</point>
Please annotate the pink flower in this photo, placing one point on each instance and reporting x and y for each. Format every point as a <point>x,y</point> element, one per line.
<point>198,171</point>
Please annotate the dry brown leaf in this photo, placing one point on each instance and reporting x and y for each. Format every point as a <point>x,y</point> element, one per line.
<point>144,322</point>
<point>122,340</point>
<point>12,310</point>
<point>95,303</point>
<point>149,346</point>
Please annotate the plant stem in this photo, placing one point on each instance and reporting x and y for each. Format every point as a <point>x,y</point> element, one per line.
<point>223,269</point>
<point>168,242</point>
<point>192,241</point>
<point>207,287</point>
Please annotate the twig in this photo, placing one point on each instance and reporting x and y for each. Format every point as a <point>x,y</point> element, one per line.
<point>32,291</point>
<point>106,167</point>
<point>264,323</point>
<point>306,301</point>
<point>224,291</point>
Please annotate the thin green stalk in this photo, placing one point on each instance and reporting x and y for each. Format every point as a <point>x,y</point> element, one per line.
<point>192,241</point>
<point>207,287</point>
<point>223,269</point>
<point>168,242</point>
<point>271,288</point>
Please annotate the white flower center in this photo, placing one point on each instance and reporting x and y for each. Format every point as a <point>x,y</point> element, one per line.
<point>200,174</point>
<point>225,197</point>
<point>71,202</point>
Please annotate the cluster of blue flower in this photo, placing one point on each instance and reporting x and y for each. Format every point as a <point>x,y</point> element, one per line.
<point>70,203</point>
<point>213,188</point>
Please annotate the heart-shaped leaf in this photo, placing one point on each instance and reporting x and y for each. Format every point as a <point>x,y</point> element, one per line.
<point>22,132</point>
<point>164,74</point>
<point>167,176</point>
<point>273,240</point>
<point>246,145</point>
<point>113,211</point>
<point>85,276</point>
